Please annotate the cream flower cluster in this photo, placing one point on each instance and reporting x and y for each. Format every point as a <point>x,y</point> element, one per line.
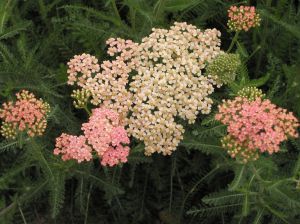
<point>169,84</point>
<point>81,68</point>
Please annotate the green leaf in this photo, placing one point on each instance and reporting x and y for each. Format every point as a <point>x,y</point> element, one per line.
<point>292,29</point>
<point>259,82</point>
<point>246,206</point>
<point>242,50</point>
<point>259,216</point>
<point>57,192</point>
<point>206,146</point>
<point>94,12</point>
<point>239,172</point>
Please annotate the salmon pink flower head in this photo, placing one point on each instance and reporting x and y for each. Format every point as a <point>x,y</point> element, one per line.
<point>242,18</point>
<point>104,130</point>
<point>27,113</point>
<point>255,126</point>
<point>73,147</point>
<point>103,133</point>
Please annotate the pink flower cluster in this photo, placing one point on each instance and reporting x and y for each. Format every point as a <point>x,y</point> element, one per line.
<point>103,134</point>
<point>73,147</point>
<point>242,18</point>
<point>26,114</point>
<point>255,126</point>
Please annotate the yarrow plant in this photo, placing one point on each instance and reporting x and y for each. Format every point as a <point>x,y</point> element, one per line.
<point>168,83</point>
<point>254,127</point>
<point>27,114</point>
<point>243,18</point>
<point>103,134</point>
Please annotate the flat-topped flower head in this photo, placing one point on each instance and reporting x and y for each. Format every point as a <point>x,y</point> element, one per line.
<point>115,156</point>
<point>224,68</point>
<point>169,84</point>
<point>255,126</point>
<point>103,134</point>
<point>104,130</point>
<point>243,18</point>
<point>27,114</point>
<point>73,147</point>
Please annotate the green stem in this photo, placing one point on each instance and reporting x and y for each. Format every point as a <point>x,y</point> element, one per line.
<point>173,167</point>
<point>234,39</point>
<point>113,2</point>
<point>87,205</point>
<point>132,18</point>
<point>22,215</point>
<point>253,53</point>
<point>87,110</point>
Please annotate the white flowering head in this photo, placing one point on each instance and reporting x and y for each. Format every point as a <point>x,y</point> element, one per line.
<point>169,84</point>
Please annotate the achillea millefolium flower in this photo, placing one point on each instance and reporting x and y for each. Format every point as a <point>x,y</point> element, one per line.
<point>255,126</point>
<point>103,134</point>
<point>27,114</point>
<point>243,18</point>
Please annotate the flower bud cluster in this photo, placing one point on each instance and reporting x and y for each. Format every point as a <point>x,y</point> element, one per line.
<point>242,18</point>
<point>255,126</point>
<point>26,114</point>
<point>81,98</point>
<point>251,93</point>
<point>224,68</point>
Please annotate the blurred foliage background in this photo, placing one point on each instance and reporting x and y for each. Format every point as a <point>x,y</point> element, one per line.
<point>199,183</point>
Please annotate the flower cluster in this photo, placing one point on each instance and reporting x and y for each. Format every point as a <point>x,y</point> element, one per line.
<point>73,147</point>
<point>81,68</point>
<point>254,127</point>
<point>251,93</point>
<point>105,83</point>
<point>81,98</point>
<point>169,83</point>
<point>243,18</point>
<point>103,133</point>
<point>26,114</point>
<point>108,87</point>
<point>223,68</point>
